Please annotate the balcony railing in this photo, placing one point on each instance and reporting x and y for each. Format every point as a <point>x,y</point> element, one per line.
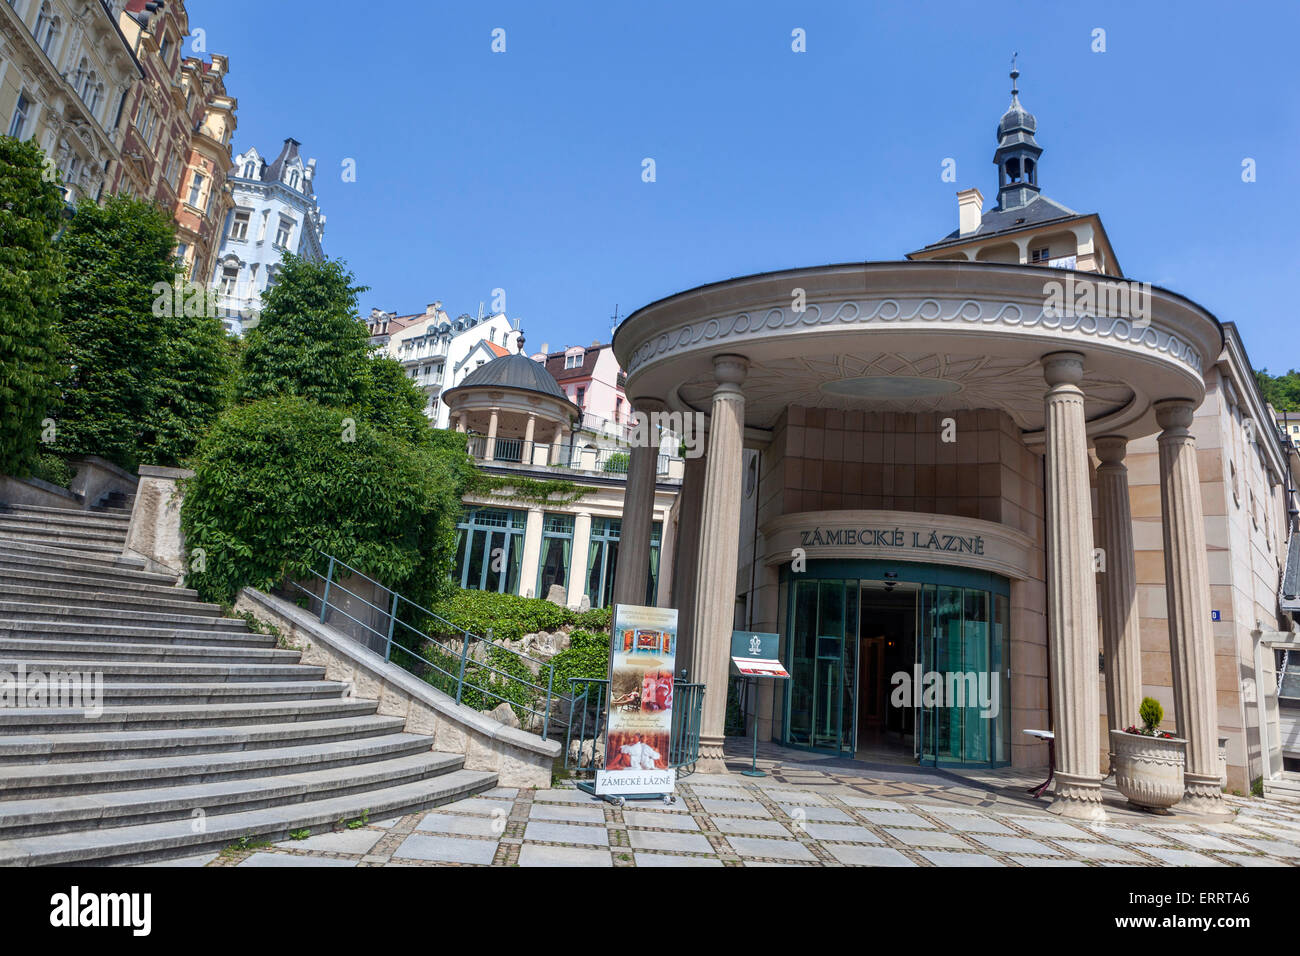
<point>576,456</point>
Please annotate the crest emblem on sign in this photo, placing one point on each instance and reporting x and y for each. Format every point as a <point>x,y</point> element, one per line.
<point>755,644</point>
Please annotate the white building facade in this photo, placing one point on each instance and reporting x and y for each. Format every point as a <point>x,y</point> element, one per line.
<point>275,211</point>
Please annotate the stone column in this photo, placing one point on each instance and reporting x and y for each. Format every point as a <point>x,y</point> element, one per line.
<point>1118,610</point>
<point>688,553</point>
<point>490,446</point>
<point>578,558</point>
<point>532,552</point>
<point>1187,594</point>
<point>460,422</point>
<point>1071,592</point>
<point>560,451</point>
<point>638,511</point>
<point>667,560</point>
<point>715,583</point>
<point>526,453</point>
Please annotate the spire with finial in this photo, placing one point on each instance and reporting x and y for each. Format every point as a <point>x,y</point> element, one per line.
<point>1017,153</point>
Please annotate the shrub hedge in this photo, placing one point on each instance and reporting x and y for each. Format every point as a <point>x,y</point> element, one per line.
<point>509,616</point>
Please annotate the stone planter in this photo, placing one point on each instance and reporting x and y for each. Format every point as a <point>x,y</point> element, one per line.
<point>1149,770</point>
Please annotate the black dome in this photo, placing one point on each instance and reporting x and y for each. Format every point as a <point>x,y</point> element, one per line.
<point>515,371</point>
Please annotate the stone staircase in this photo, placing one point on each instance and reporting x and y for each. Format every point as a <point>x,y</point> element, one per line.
<point>209,733</point>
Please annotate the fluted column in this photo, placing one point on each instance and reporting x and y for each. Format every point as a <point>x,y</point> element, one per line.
<point>719,553</point>
<point>578,558</point>
<point>1071,592</point>
<point>633,568</point>
<point>1118,610</point>
<point>491,445</point>
<point>688,553</point>
<point>531,557</point>
<point>526,453</point>
<point>1187,595</point>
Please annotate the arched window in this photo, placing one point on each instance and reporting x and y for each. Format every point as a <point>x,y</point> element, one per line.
<point>96,97</point>
<point>293,179</point>
<point>48,27</point>
<point>250,169</point>
<point>79,78</point>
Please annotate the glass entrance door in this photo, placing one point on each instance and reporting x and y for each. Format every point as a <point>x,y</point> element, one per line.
<point>822,657</point>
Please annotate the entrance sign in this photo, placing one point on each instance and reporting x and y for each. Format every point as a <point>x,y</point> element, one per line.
<point>640,722</point>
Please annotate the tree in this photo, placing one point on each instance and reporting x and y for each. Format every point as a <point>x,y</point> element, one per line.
<point>389,400</point>
<point>116,254</point>
<point>31,211</point>
<point>1281,391</point>
<point>310,340</point>
<point>191,386</point>
<point>280,480</point>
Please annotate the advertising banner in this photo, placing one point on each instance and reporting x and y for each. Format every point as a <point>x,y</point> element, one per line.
<point>640,702</point>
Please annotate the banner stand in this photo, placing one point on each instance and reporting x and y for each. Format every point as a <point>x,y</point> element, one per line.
<point>754,655</point>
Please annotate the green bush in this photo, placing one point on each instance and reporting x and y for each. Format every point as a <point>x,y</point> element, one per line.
<point>509,616</point>
<point>617,463</point>
<point>277,482</point>
<point>586,657</point>
<point>597,619</point>
<point>1151,713</point>
<point>53,469</point>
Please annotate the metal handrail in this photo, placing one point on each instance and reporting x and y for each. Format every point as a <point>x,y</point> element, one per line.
<point>421,662</point>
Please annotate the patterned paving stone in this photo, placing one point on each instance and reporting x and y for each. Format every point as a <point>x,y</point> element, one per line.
<point>462,825</point>
<point>1054,861</point>
<point>1129,837</point>
<point>478,805</point>
<point>971,822</point>
<point>203,859</point>
<point>927,838</point>
<point>505,793</point>
<point>1049,828</point>
<point>895,819</point>
<point>1272,847</point>
<point>940,858</point>
<point>722,793</point>
<point>567,813</point>
<point>1204,841</point>
<point>344,841</point>
<point>820,814</point>
<point>747,808</point>
<point>780,849</point>
<point>788,796</point>
<point>1176,857</point>
<point>759,827</point>
<point>671,821</point>
<point>566,833</point>
<point>667,859</point>
<point>289,859</point>
<point>868,855</point>
<point>566,796</point>
<point>1098,851</point>
<point>1012,844</point>
<point>1241,859</point>
<point>680,842</point>
<point>423,846</point>
<point>871,803</point>
<point>840,833</point>
<point>532,855</point>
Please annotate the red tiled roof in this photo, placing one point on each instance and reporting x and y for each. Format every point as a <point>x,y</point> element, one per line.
<point>498,350</point>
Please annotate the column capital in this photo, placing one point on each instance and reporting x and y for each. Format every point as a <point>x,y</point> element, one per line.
<point>730,370</point>
<point>1175,414</point>
<point>1062,368</point>
<point>1111,449</point>
<point>648,405</point>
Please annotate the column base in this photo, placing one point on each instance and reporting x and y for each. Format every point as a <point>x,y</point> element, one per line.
<point>1078,798</point>
<point>711,759</point>
<point>1202,794</point>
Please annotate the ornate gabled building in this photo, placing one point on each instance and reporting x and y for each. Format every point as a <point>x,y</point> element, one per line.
<point>273,210</point>
<point>66,73</point>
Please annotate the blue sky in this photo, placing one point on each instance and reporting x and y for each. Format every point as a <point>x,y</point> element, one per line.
<point>522,170</point>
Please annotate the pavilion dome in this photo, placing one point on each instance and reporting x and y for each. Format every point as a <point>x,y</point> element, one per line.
<point>514,371</point>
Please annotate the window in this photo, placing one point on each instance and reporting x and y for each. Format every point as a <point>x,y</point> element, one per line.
<point>239,224</point>
<point>48,27</point>
<point>96,97</point>
<point>18,125</point>
<point>284,232</point>
<point>489,550</point>
<point>165,49</point>
<point>181,249</point>
<point>574,359</point>
<point>229,279</point>
<point>557,547</point>
<point>173,166</point>
<point>1037,256</point>
<point>582,394</point>
<point>293,179</point>
<point>250,170</point>
<point>196,188</point>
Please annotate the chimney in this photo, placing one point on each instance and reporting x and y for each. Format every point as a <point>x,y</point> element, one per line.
<point>546,348</point>
<point>432,308</point>
<point>970,206</point>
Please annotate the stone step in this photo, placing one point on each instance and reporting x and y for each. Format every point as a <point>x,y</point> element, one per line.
<point>98,567</point>
<point>180,837</point>
<point>131,634</point>
<point>177,672</point>
<point>198,692</point>
<point>109,600</point>
<point>133,744</point>
<point>24,781</point>
<point>107,558</point>
<point>49,720</point>
<point>66,516</point>
<point>23,611</point>
<point>49,578</point>
<point>90,539</point>
<point>133,807</point>
<point>95,652</point>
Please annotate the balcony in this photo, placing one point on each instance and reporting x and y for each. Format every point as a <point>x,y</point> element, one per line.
<point>581,457</point>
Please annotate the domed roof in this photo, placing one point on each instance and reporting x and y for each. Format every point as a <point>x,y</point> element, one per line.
<point>514,371</point>
<point>1017,123</point>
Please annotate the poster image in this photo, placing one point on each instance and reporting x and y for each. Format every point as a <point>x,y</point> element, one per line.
<point>644,647</point>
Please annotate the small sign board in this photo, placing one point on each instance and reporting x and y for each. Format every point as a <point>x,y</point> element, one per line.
<point>754,654</point>
<point>1214,615</point>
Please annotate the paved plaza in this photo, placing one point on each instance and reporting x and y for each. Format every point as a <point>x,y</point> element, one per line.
<point>807,812</point>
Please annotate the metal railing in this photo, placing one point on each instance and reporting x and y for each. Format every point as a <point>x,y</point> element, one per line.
<point>475,670</point>
<point>572,455</point>
<point>587,725</point>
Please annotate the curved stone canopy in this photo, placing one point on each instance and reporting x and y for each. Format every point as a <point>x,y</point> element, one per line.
<point>514,371</point>
<point>920,336</point>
